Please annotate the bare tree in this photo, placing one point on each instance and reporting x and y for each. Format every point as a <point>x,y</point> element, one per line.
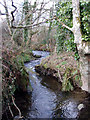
<point>32,17</point>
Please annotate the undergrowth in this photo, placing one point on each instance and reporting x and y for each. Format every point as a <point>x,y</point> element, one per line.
<point>14,75</point>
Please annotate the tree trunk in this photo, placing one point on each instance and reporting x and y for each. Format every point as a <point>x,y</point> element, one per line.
<point>76,22</point>
<point>83,48</point>
<point>50,27</point>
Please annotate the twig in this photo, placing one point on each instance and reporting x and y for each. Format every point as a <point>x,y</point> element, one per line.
<point>60,76</point>
<point>10,110</point>
<point>6,67</point>
<point>16,108</point>
<point>2,4</point>
<point>2,13</point>
<point>29,26</point>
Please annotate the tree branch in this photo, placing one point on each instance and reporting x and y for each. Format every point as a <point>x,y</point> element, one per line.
<point>12,13</point>
<point>2,13</point>
<point>28,26</point>
<point>2,4</point>
<point>71,29</point>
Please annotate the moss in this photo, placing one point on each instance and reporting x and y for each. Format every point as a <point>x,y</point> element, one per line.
<point>77,77</point>
<point>71,78</point>
<point>45,66</point>
<point>26,58</point>
<point>23,81</point>
<point>78,19</point>
<point>67,81</point>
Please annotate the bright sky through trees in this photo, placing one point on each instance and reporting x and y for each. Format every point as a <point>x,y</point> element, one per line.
<point>19,3</point>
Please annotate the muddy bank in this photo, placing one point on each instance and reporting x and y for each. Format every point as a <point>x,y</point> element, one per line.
<point>46,71</point>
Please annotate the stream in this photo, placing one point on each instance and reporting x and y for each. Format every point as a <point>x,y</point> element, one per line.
<point>46,99</point>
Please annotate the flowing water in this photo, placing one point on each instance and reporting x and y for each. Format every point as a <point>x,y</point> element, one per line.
<point>46,99</point>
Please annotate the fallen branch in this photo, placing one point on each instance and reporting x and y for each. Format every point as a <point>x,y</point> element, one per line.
<point>19,116</point>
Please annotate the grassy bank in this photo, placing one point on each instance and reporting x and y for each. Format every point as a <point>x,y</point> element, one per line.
<point>64,67</point>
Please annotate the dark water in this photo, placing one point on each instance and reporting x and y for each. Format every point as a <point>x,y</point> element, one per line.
<point>47,100</point>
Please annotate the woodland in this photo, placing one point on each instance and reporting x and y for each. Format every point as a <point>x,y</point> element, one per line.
<point>57,27</point>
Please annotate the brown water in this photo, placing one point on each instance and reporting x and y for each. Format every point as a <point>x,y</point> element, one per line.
<point>47,100</point>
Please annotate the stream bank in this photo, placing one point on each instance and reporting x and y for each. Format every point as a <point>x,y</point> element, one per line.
<point>62,66</point>
<point>15,78</point>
